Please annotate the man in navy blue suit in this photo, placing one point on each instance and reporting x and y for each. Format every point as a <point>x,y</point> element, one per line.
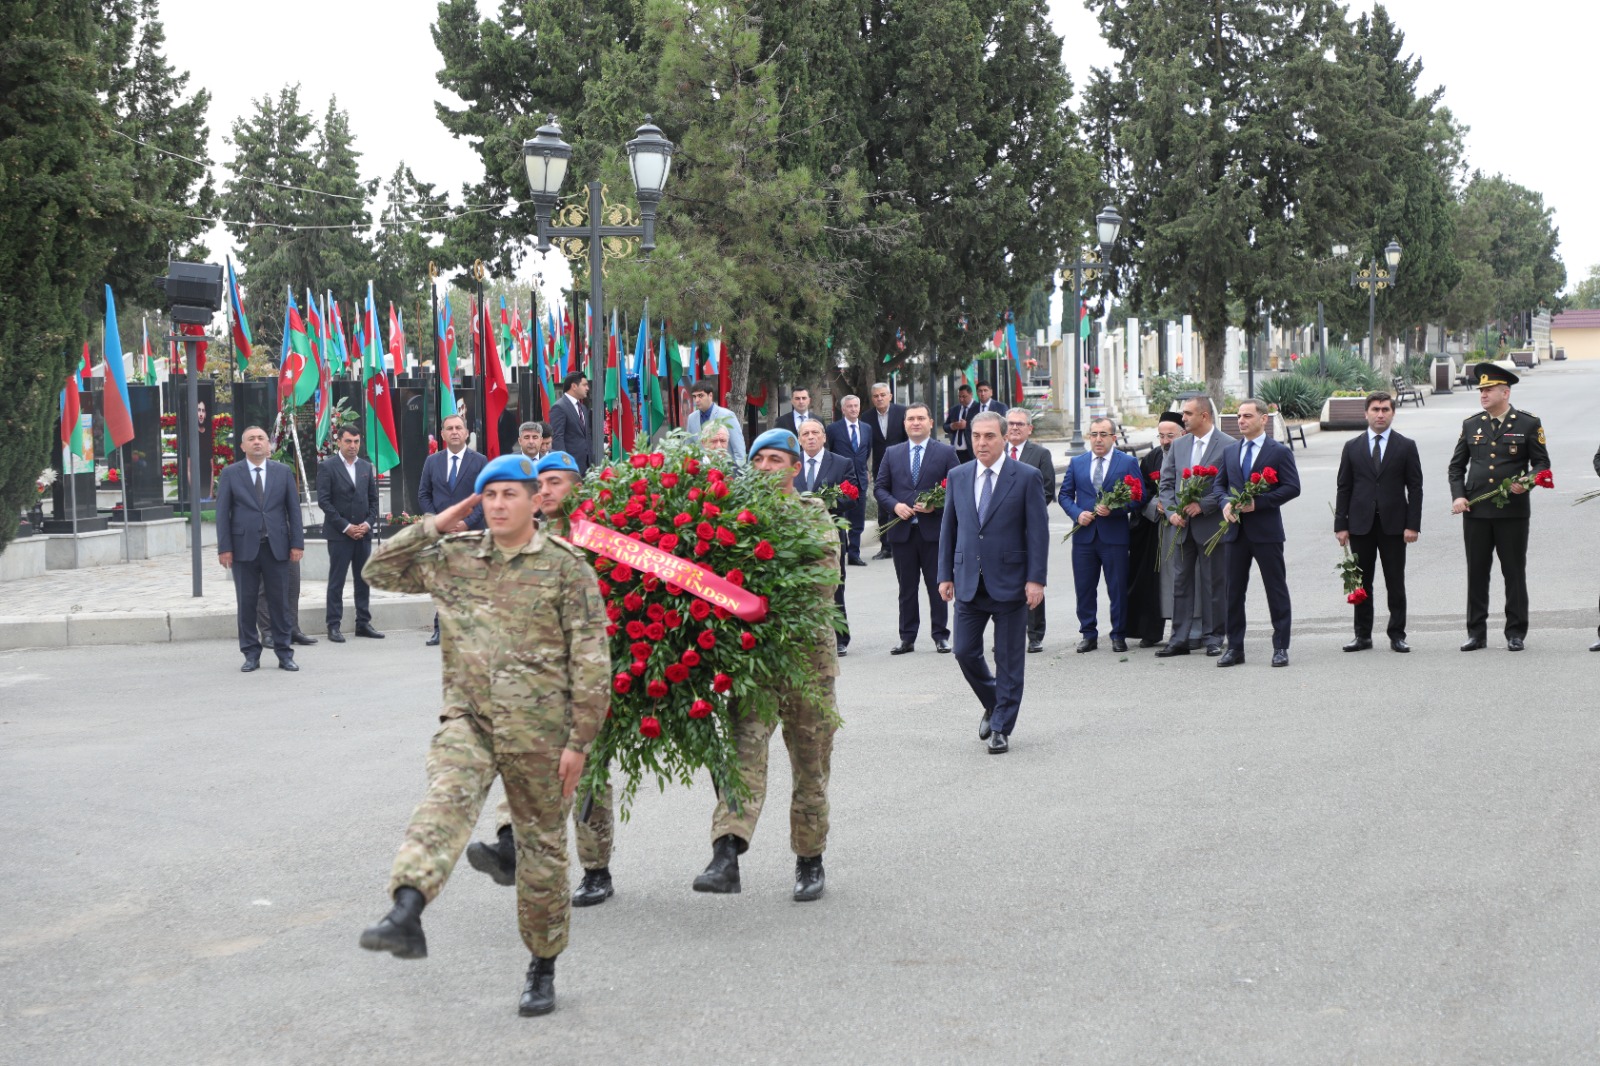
<point>909,469</point>
<point>994,550</point>
<point>447,479</point>
<point>1255,531</point>
<point>1100,546</point>
<point>820,468</point>
<point>851,437</point>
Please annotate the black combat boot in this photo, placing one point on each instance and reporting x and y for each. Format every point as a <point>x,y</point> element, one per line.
<point>808,879</point>
<point>594,888</point>
<point>539,989</point>
<point>498,860</point>
<point>400,931</point>
<point>723,873</point>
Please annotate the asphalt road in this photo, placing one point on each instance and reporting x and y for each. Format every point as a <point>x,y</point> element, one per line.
<point>1361,859</point>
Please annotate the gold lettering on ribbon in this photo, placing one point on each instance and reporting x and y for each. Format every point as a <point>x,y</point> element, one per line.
<point>691,577</point>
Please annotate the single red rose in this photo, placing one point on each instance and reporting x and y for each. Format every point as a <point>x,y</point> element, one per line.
<point>690,657</point>
<point>635,630</point>
<point>1188,472</point>
<point>634,509</point>
<point>605,495</point>
<point>694,494</point>
<point>655,498</point>
<point>699,609</point>
<point>622,572</point>
<point>602,564</point>
<point>633,602</point>
<point>648,517</point>
<point>613,612</point>
<point>673,620</point>
<point>655,612</point>
<point>637,668</point>
<point>746,518</point>
<point>639,461</point>
<point>702,547</point>
<point>699,709</point>
<point>1270,475</point>
<point>650,727</point>
<point>735,577</point>
<point>719,490</point>
<point>726,538</point>
<point>619,518</point>
<point>656,689</point>
<point>673,590</point>
<point>681,519</point>
<point>621,684</point>
<point>1255,478</point>
<point>668,542</point>
<point>707,639</point>
<point>669,480</point>
<point>677,673</point>
<point>605,586</point>
<point>747,640</point>
<point>945,483</point>
<point>587,507</point>
<point>705,531</point>
<point>710,510</point>
<point>1545,479</point>
<point>650,582</point>
<point>763,551</point>
<point>602,518</point>
<point>1155,475</point>
<point>691,466</point>
<point>611,630</point>
<point>722,613</point>
<point>655,631</point>
<point>606,475</point>
<point>657,460</point>
<point>650,534</point>
<point>721,683</point>
<point>715,474</point>
<point>640,487</point>
<point>639,649</point>
<point>1358,596</point>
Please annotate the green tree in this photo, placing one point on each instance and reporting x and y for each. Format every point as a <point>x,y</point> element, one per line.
<point>1586,294</point>
<point>405,246</point>
<point>1507,241</point>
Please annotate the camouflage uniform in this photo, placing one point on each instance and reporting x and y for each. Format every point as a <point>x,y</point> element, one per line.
<point>516,693</point>
<point>807,716</point>
<point>594,835</point>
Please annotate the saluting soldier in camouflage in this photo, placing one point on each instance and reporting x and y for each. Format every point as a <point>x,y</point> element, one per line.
<point>558,476</point>
<point>806,710</point>
<point>1497,444</point>
<point>526,684</point>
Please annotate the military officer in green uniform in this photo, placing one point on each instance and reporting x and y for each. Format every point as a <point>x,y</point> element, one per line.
<point>526,684</point>
<point>1499,443</point>
<point>806,710</point>
<point>592,819</point>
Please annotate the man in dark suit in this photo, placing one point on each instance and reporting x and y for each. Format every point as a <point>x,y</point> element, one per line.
<point>569,421</point>
<point>820,468</point>
<point>888,420</point>
<point>851,437</point>
<point>987,402</point>
<point>994,552</point>
<point>955,423</point>
<point>1020,448</point>
<point>909,469</point>
<point>1100,546</point>
<point>259,533</point>
<point>447,479</point>
<point>347,492</point>
<point>1255,532</point>
<point>1198,585</point>
<point>800,410</point>
<point>1377,511</point>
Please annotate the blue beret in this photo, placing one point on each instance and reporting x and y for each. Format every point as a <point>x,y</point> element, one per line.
<point>558,462</point>
<point>507,468</point>
<point>780,439</point>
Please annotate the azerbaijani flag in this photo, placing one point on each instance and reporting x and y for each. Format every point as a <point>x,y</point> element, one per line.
<point>494,392</point>
<point>241,324</point>
<point>71,433</point>
<point>148,355</point>
<point>1016,358</point>
<point>447,361</point>
<point>295,385</point>
<point>383,444</point>
<point>118,412</point>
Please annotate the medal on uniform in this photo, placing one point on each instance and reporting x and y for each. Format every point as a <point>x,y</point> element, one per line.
<point>1513,449</point>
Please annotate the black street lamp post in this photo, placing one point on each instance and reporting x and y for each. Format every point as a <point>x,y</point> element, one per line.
<point>1372,278</point>
<point>1107,225</point>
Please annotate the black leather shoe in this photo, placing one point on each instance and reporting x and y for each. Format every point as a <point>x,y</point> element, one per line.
<point>883,553</point>
<point>1087,644</point>
<point>1595,646</point>
<point>289,665</point>
<point>1514,644</point>
<point>722,874</point>
<point>902,648</point>
<point>842,651</point>
<point>595,888</point>
<point>498,860</point>
<point>808,879</point>
<point>983,726</point>
<point>856,560</point>
<point>1146,642</point>
<point>1399,645</point>
<point>433,641</point>
<point>1474,643</point>
<point>1231,658</point>
<point>1213,650</point>
<point>941,645</point>
<point>301,639</point>
<point>1035,646</point>
<point>364,629</point>
<point>1280,657</point>
<point>400,931</point>
<point>1119,645</point>
<point>538,989</point>
<point>334,635</point>
<point>1359,644</point>
<point>250,665</point>
<point>998,744</point>
<point>1172,649</point>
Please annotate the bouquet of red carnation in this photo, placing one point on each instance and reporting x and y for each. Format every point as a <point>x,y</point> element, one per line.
<point>1260,482</point>
<point>1129,490</point>
<point>835,495</point>
<point>1501,493</point>
<point>933,499</point>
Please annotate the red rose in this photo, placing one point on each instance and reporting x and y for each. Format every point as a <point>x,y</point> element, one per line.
<point>694,494</point>
<point>1255,479</point>
<point>650,534</point>
<point>719,490</point>
<point>715,475</point>
<point>611,630</point>
<point>613,612</point>
<point>735,577</point>
<point>673,590</point>
<point>691,466</point>
<point>640,487</point>
<point>650,581</point>
<point>606,475</point>
<point>677,673</point>
<point>634,508</point>
<point>605,587</point>
<point>648,517</point>
<point>699,709</point>
<point>655,612</point>
<point>699,609</point>
<point>1270,475</point>
<point>635,630</point>
<point>725,537</point>
<point>639,650</point>
<point>702,547</point>
<point>602,518</point>
<point>944,483</point>
<point>669,480</point>
<point>655,498</point>
<point>639,461</point>
<point>655,631</point>
<point>657,460</point>
<point>633,602</point>
<point>690,657</point>
<point>681,519</point>
<point>649,727</point>
<point>1545,479</point>
<point>673,620</point>
<point>619,518</point>
<point>1358,596</point>
<point>621,684</point>
<point>746,518</point>
<point>705,531</point>
<point>707,639</point>
<point>637,668</point>
<point>721,613</point>
<point>710,510</point>
<point>656,689</point>
<point>747,641</point>
<point>721,683</point>
<point>605,494</point>
<point>763,551</point>
<point>1188,472</point>
<point>622,572</point>
<point>848,490</point>
<point>587,507</point>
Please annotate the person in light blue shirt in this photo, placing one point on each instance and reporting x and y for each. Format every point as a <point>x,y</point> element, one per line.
<point>706,413</point>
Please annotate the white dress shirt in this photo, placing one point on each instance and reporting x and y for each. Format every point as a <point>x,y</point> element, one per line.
<point>977,480</point>
<point>1383,443</point>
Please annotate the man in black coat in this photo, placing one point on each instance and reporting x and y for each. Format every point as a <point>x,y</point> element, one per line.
<point>955,423</point>
<point>821,468</point>
<point>447,478</point>
<point>909,469</point>
<point>347,492</point>
<point>569,421</point>
<point>1377,511</point>
<point>1019,428</point>
<point>800,410</point>
<point>888,420</point>
<point>850,436</point>
<point>259,533</point>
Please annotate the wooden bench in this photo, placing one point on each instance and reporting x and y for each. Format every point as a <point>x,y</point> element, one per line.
<point>1404,391</point>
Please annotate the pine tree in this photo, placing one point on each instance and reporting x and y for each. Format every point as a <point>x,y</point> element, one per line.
<point>404,246</point>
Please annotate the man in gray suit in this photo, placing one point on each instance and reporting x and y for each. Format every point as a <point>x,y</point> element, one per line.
<point>1019,428</point>
<point>1195,575</point>
<point>259,533</point>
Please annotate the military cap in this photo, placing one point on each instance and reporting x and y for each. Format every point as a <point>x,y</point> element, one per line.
<point>1171,416</point>
<point>558,462</point>
<point>507,468</point>
<point>779,440</point>
<point>1488,374</point>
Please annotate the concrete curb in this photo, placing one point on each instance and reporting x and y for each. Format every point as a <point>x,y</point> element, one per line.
<point>85,629</point>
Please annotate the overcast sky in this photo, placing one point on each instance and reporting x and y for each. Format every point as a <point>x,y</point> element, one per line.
<point>1520,75</point>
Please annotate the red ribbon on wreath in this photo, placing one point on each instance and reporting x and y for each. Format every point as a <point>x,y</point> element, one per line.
<point>691,577</point>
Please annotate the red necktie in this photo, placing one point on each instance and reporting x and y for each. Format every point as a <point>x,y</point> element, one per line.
<point>1013,453</point>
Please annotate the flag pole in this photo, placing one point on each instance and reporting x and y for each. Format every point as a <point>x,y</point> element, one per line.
<point>127,551</point>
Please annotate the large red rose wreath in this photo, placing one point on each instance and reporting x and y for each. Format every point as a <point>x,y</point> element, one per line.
<point>684,664</point>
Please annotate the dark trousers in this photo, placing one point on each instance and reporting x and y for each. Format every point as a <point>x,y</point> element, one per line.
<point>1197,576</point>
<point>1369,549</point>
<point>916,562</point>
<point>838,594</point>
<point>345,553</point>
<point>1000,692</point>
<point>1090,559</point>
<point>291,604</point>
<point>1236,573</point>
<point>857,514</point>
<point>250,580</point>
<point>1487,538</point>
<point>1036,623</point>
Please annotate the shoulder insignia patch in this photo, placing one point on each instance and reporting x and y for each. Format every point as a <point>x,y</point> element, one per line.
<point>563,542</point>
<point>1541,434</point>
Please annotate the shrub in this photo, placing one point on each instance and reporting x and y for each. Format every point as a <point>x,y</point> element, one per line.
<point>1296,395</point>
<point>1341,370</point>
<point>1162,389</point>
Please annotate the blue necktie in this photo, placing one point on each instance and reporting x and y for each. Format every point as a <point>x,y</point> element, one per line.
<point>1099,475</point>
<point>1249,457</point>
<point>855,443</point>
<point>454,459</point>
<point>916,464</point>
<point>983,497</point>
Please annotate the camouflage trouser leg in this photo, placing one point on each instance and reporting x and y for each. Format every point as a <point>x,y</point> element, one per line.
<point>539,816</point>
<point>751,736</point>
<point>461,767</point>
<point>809,737</point>
<point>594,836</point>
